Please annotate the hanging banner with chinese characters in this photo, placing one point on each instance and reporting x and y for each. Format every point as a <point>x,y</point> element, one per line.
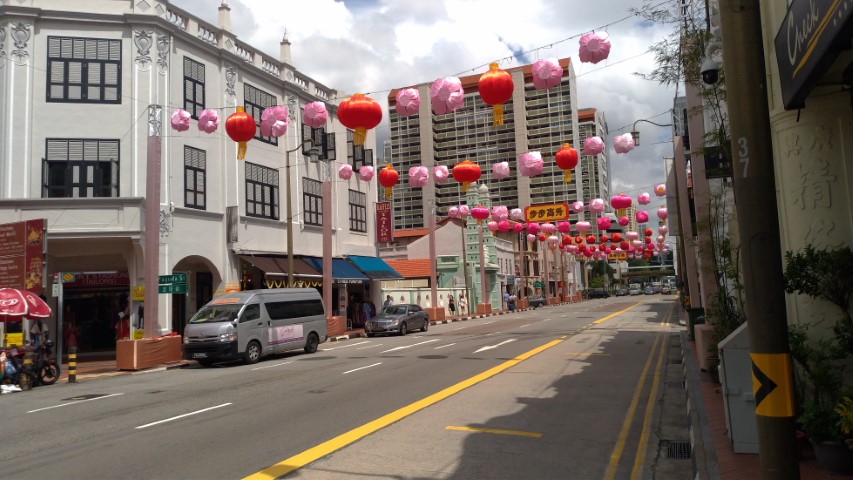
<point>546,212</point>
<point>22,255</point>
<point>384,226</point>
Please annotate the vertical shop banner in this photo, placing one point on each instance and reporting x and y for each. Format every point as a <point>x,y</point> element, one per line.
<point>22,255</point>
<point>384,227</point>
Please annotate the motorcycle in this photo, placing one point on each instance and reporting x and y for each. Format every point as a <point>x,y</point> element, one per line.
<point>43,371</point>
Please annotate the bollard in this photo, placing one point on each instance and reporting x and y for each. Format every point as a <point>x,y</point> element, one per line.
<point>72,365</point>
<point>23,375</point>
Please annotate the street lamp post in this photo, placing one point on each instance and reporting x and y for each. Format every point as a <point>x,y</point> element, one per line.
<point>635,134</point>
<point>289,211</point>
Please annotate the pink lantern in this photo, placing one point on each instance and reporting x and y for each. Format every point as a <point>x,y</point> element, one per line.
<point>530,164</point>
<point>593,146</point>
<point>632,235</point>
<point>582,226</point>
<point>548,228</point>
<point>642,216</point>
<point>660,238</point>
<point>464,211</point>
<point>208,120</point>
<point>623,143</point>
<point>597,205</point>
<point>345,171</point>
<point>407,102</point>
<point>552,241</point>
<point>564,227</point>
<point>624,221</point>
<point>594,47</point>
<point>531,238</point>
<point>181,120</point>
<point>662,213</point>
<point>418,176</point>
<point>446,95</point>
<point>492,226</point>
<point>274,121</point>
<point>572,248</point>
<point>440,173</point>
<point>499,213</point>
<point>533,228</point>
<point>546,73</point>
<point>603,223</point>
<point>365,173</point>
<point>663,229</point>
<point>503,226</point>
<point>480,213</point>
<point>500,170</point>
<point>578,206</point>
<point>516,214</point>
<point>660,189</point>
<point>453,212</point>
<point>518,227</point>
<point>315,114</point>
<point>644,198</point>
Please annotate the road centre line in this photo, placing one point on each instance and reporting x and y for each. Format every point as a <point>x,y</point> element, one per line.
<point>610,473</point>
<point>361,368</point>
<point>445,346</point>
<point>409,346</point>
<point>370,346</point>
<point>525,325</point>
<point>270,366</point>
<point>182,416</point>
<point>344,346</point>
<point>495,431</point>
<point>617,313</point>
<point>486,323</point>
<point>668,316</point>
<point>647,418</point>
<point>319,451</point>
<point>74,403</point>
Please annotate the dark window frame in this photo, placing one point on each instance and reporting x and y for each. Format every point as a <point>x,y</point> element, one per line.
<point>195,169</point>
<point>290,309</point>
<point>357,155</point>
<point>312,201</point>
<point>262,191</point>
<point>255,101</point>
<point>72,62</point>
<point>194,81</point>
<point>357,211</point>
<point>60,164</point>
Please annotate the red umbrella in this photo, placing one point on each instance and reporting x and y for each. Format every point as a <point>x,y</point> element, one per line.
<point>16,304</point>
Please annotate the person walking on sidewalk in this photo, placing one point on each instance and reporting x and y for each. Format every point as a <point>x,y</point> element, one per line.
<point>463,304</point>
<point>451,304</point>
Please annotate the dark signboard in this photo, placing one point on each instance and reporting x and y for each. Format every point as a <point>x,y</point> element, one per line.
<point>809,39</point>
<point>22,255</point>
<point>384,226</point>
<point>716,163</point>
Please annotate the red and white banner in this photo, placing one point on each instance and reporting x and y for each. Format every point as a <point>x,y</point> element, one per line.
<point>384,225</point>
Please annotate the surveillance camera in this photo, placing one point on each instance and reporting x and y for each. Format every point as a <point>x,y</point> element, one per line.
<point>710,71</point>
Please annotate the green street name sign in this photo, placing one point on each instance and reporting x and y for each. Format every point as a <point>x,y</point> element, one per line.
<point>174,278</point>
<point>538,284</point>
<point>173,288</point>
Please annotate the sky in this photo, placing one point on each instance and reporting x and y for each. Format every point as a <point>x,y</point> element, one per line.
<point>372,46</point>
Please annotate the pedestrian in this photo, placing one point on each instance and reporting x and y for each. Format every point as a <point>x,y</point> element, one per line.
<point>70,325</point>
<point>506,299</point>
<point>388,301</point>
<point>463,304</point>
<point>511,303</point>
<point>122,324</point>
<point>451,304</point>
<point>38,331</point>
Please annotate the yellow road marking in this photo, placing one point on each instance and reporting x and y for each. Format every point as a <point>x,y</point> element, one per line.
<point>617,313</point>
<point>668,316</point>
<point>495,431</point>
<point>312,454</point>
<point>647,418</point>
<point>610,473</point>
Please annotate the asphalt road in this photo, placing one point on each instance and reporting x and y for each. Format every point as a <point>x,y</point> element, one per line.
<point>562,392</point>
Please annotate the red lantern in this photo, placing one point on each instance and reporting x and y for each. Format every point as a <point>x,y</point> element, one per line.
<point>495,88</point>
<point>241,128</point>
<point>624,245</point>
<point>566,240</point>
<point>617,237</point>
<point>542,237</point>
<point>359,113</point>
<point>602,247</point>
<point>590,239</point>
<point>567,159</point>
<point>388,177</point>
<point>480,213</point>
<point>647,232</point>
<point>621,203</point>
<point>648,240</point>
<point>604,238</point>
<point>466,172</point>
<point>579,239</point>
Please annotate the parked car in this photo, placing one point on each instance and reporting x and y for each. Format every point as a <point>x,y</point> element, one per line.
<point>534,301</point>
<point>634,291</point>
<point>621,292</point>
<point>397,319</point>
<point>649,290</point>
<point>666,290</point>
<point>597,293</point>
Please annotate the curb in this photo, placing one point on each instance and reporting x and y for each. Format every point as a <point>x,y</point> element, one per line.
<point>704,456</point>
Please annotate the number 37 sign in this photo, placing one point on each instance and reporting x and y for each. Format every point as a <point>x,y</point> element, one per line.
<point>546,212</point>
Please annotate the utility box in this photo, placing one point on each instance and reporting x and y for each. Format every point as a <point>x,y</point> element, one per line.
<point>736,378</point>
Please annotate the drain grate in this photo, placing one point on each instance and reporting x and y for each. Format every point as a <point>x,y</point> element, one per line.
<point>678,450</point>
<point>678,385</point>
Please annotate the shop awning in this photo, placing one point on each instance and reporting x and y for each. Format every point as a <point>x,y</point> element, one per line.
<point>277,265</point>
<point>374,267</point>
<point>342,271</point>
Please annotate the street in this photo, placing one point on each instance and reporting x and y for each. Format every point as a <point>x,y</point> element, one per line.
<point>567,391</point>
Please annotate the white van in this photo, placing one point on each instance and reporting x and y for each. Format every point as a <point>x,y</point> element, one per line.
<point>251,324</point>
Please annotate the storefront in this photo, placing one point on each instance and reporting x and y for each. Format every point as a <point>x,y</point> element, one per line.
<point>92,301</point>
<point>350,289</point>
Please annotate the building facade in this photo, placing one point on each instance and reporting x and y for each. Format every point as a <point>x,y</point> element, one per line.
<point>84,85</point>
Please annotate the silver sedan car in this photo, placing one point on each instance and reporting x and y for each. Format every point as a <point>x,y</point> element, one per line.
<point>397,319</point>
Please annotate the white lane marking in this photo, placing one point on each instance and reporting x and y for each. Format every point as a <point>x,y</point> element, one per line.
<point>409,346</point>
<point>458,328</point>
<point>361,368</point>
<point>161,369</point>
<point>486,323</point>
<point>344,346</point>
<point>564,315</point>
<point>182,416</point>
<point>525,325</point>
<point>369,346</point>
<point>445,346</point>
<point>270,366</point>
<point>495,346</point>
<point>546,320</point>
<point>73,403</point>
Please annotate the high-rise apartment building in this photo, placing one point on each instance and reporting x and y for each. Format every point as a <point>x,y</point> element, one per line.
<point>594,169</point>
<point>534,120</point>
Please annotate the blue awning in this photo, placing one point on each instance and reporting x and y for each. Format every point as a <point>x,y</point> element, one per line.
<point>374,267</point>
<point>342,271</point>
